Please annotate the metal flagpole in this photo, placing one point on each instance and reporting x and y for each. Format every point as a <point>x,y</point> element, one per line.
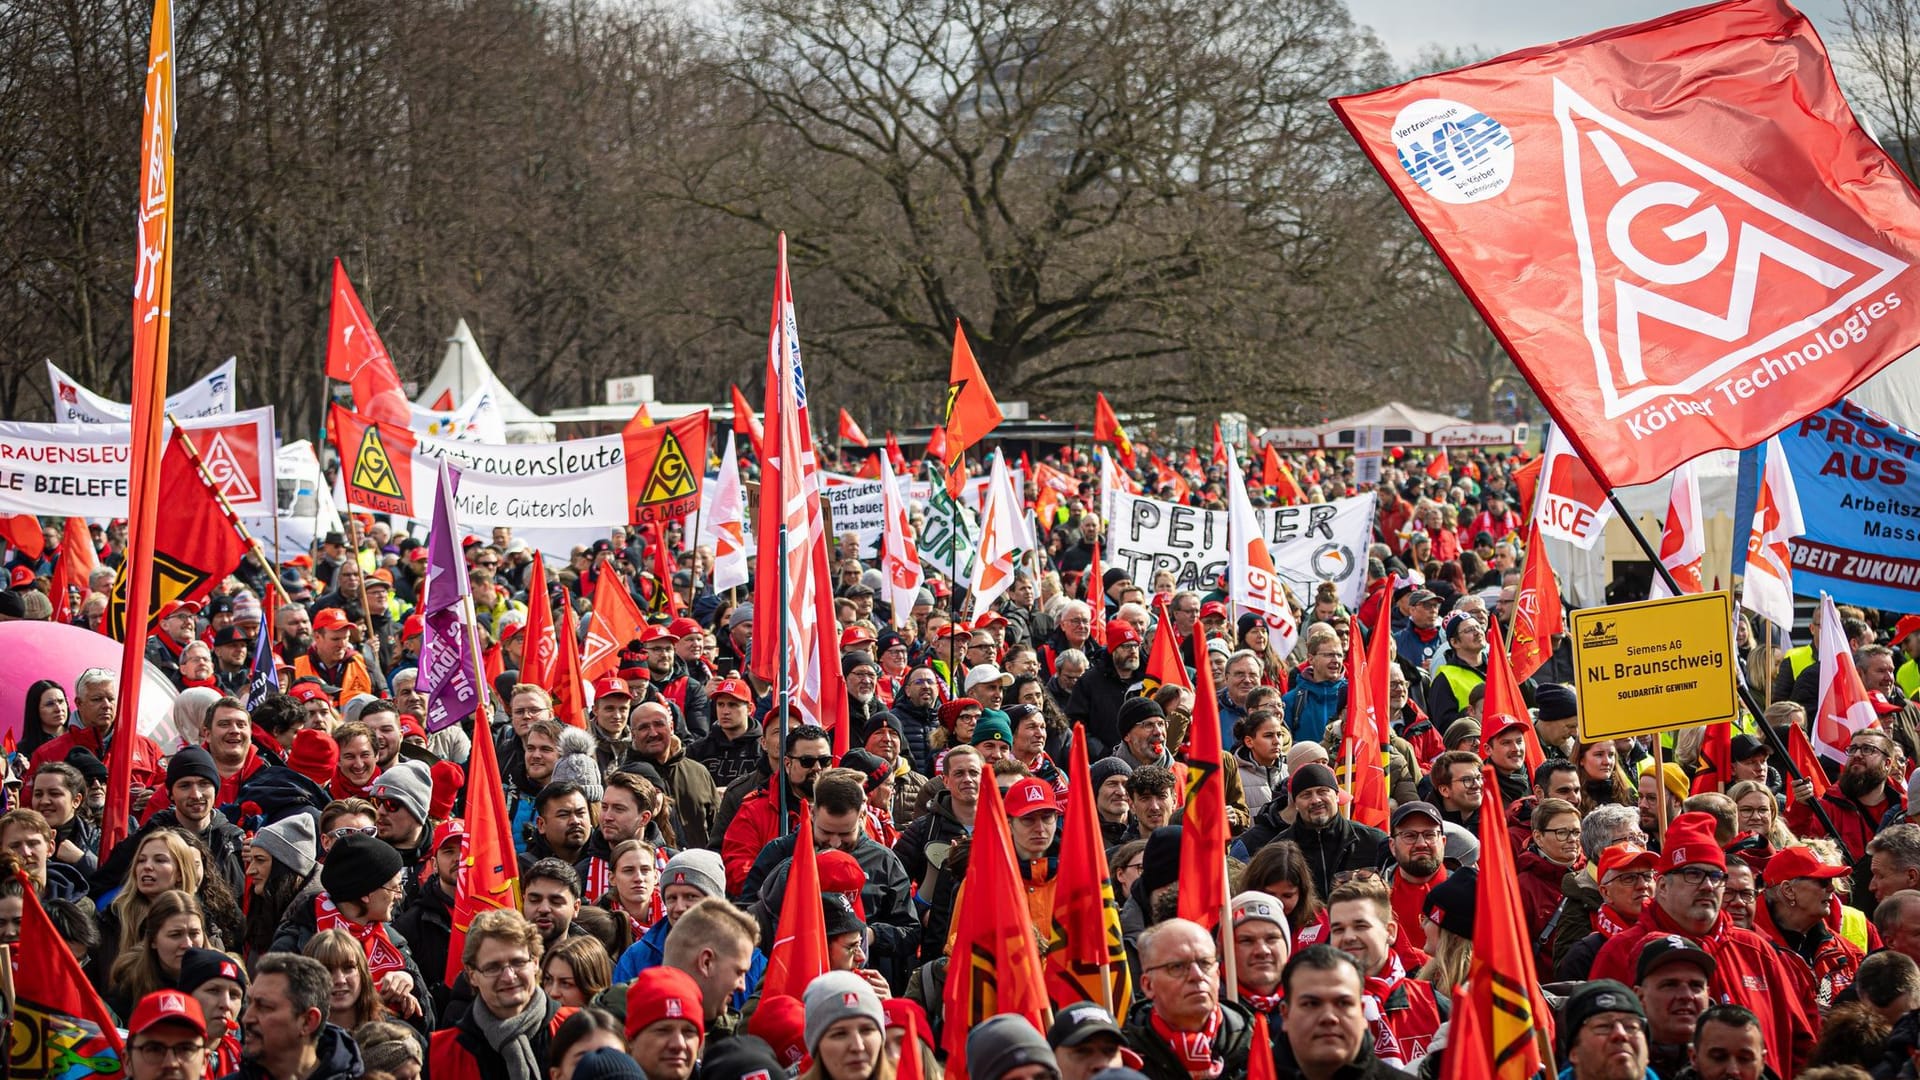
<point>1746,692</point>
<point>785,687</point>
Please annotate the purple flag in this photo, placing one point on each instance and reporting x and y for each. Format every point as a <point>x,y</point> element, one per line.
<point>448,667</point>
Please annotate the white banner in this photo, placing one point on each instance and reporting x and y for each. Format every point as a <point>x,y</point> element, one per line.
<point>83,470</point>
<point>477,419</point>
<point>1309,544</point>
<point>854,505</point>
<point>307,511</point>
<point>75,404</point>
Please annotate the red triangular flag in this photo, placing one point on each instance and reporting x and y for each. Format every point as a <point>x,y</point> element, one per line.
<point>1502,975</point>
<point>1536,610</point>
<point>1219,447</point>
<point>569,692</point>
<point>539,653</point>
<point>1086,960</point>
<point>489,871</point>
<point>1361,764</point>
<point>614,622</point>
<point>1107,429</point>
<point>1800,749</point>
<point>356,356</point>
<point>745,423</point>
<point>1096,597</point>
<point>1503,697</point>
<point>70,574</point>
<point>995,966</point>
<point>60,1026</point>
<point>1163,659</point>
<point>1203,839</point>
<point>850,431</point>
<point>972,411</point>
<point>799,953</point>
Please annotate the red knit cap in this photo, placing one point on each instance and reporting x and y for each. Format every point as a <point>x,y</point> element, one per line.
<point>663,993</point>
<point>1689,842</point>
<point>950,712</point>
<point>314,755</point>
<point>841,873</point>
<point>782,1021</point>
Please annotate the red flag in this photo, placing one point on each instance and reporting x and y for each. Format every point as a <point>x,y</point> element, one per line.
<point>898,459</point>
<point>356,356</point>
<point>1203,840</point>
<point>1526,480</point>
<point>869,468</point>
<point>937,443</point>
<point>76,565</point>
<point>744,422</point>
<point>665,466</point>
<point>22,532</point>
<point>380,477</point>
<point>971,411</point>
<point>910,1066</point>
<point>539,653</point>
<point>1086,959</point>
<point>193,548</point>
<point>1166,477</point>
<point>1107,429</point>
<point>1163,659</point>
<point>665,600</point>
<point>60,1026</point>
<point>994,966</point>
<point>152,327</point>
<point>1801,752</point>
<point>1438,466</point>
<point>799,953</point>
<point>1220,454</point>
<point>1194,464</point>
<point>1505,1001</point>
<point>1536,609</point>
<point>1096,596</point>
<point>1542,194</point>
<point>614,622</point>
<point>1276,475</point>
<point>641,419</point>
<point>1362,764</point>
<point>489,872</point>
<point>850,431</point>
<point>1503,697</point>
<point>1716,759</point>
<point>569,692</point>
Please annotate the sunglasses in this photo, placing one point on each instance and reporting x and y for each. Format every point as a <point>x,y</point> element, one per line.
<point>343,833</point>
<point>809,761</point>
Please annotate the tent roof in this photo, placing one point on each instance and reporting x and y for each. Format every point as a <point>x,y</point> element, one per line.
<point>465,370</point>
<point>1395,414</point>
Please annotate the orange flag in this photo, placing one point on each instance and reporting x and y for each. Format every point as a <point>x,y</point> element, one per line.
<point>489,871</point>
<point>1504,999</point>
<point>994,964</point>
<point>1086,959</point>
<point>1526,482</point>
<point>1096,597</point>
<point>1361,768</point>
<point>744,422</point>
<point>1536,609</point>
<point>1438,466</point>
<point>22,532</point>
<point>1503,697</point>
<point>1277,476</point>
<point>614,621</point>
<point>152,327</point>
<point>850,431</point>
<point>77,564</point>
<point>569,695</point>
<point>356,356</point>
<point>60,1026</point>
<point>641,420</point>
<point>539,653</point>
<point>1107,429</point>
<point>971,410</point>
<point>799,953</point>
<point>1204,832</point>
<point>1163,660</point>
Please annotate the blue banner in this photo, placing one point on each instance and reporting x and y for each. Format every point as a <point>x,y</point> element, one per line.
<point>1858,478</point>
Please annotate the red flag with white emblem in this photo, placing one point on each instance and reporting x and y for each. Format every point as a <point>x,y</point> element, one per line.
<point>850,431</point>
<point>1844,707</point>
<point>1683,536</point>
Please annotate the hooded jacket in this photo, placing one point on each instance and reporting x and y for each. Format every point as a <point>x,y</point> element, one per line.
<point>695,798</point>
<point>1096,702</point>
<point>339,1059</point>
<point>728,758</point>
<point>1230,1044</point>
<point>1310,706</point>
<point>923,850</point>
<point>886,900</point>
<point>918,724</point>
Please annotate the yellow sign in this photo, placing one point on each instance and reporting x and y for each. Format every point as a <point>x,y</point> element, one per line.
<point>1655,665</point>
<point>672,477</point>
<point>372,469</point>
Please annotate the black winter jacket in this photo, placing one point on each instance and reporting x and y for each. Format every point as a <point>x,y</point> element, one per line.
<point>1231,1044</point>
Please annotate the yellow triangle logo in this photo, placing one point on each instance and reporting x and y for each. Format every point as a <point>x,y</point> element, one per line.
<point>173,579</point>
<point>672,476</point>
<point>372,469</point>
<point>953,395</point>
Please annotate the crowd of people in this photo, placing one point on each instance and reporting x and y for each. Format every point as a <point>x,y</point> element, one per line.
<point>284,903</point>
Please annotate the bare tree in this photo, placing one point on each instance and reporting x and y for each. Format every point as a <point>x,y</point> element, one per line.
<point>1881,57</point>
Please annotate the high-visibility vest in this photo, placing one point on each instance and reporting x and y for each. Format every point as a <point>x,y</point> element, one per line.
<point>1908,677</point>
<point>1801,659</point>
<point>1461,680</point>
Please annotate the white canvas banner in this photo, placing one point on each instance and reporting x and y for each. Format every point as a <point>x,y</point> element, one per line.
<point>477,419</point>
<point>75,404</point>
<point>1309,544</point>
<point>83,470</point>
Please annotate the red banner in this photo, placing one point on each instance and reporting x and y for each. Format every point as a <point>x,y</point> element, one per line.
<point>1678,263</point>
<point>664,465</point>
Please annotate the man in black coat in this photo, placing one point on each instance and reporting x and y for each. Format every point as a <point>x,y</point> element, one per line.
<point>1331,841</point>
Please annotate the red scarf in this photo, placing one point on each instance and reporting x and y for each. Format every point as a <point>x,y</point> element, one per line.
<point>1605,922</point>
<point>1266,1004</point>
<point>594,885</point>
<point>382,957</point>
<point>1193,1048</point>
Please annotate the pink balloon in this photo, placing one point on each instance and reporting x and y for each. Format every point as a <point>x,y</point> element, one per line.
<point>41,650</point>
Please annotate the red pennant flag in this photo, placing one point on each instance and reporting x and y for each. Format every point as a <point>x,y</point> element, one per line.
<point>1800,750</point>
<point>60,1026</point>
<point>1526,481</point>
<point>569,691</point>
<point>1096,597</point>
<point>539,653</point>
<point>1280,478</point>
<point>1438,466</point>
<point>1107,429</point>
<point>489,871</point>
<point>1362,750</point>
<point>1505,1000</point>
<point>745,423</point>
<point>1716,759</point>
<point>799,953</point>
<point>1194,465</point>
<point>1503,697</point>
<point>614,622</point>
<point>1086,959</point>
<point>445,402</point>
<point>1163,659</point>
<point>1219,447</point>
<point>22,533</point>
<point>356,356</point>
<point>1752,134</point>
<point>937,443</point>
<point>850,431</point>
<point>71,573</point>
<point>1203,840</point>
<point>194,546</point>
<point>994,966</point>
<point>1536,609</point>
<point>664,600</point>
<point>972,411</point>
<point>894,455</point>
<point>869,468</point>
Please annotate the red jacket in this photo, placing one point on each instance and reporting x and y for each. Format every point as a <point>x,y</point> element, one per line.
<point>1540,891</point>
<point>1748,971</point>
<point>462,1053</point>
<point>148,772</point>
<point>1408,1018</point>
<point>228,794</point>
<point>1834,962</point>
<point>755,825</point>
<point>1857,823</point>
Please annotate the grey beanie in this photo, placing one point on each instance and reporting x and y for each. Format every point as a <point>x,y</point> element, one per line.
<point>575,740</point>
<point>357,704</point>
<point>582,770</point>
<point>1106,769</point>
<point>1005,1043</point>
<point>290,841</point>
<point>699,868</point>
<point>409,784</point>
<point>836,996</point>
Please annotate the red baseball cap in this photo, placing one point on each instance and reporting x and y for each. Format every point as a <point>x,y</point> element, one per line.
<point>450,830</point>
<point>1622,857</point>
<point>990,618</point>
<point>331,619</point>
<point>1908,624</point>
<point>511,629</point>
<point>1030,795</point>
<point>1497,724</point>
<point>656,632</point>
<point>1881,706</point>
<point>309,691</point>
<point>411,725</point>
<point>1121,632</point>
<point>168,1007</point>
<point>949,630</point>
<point>732,687</point>
<point>611,686</point>
<point>856,635</point>
<point>1801,862</point>
<point>418,554</point>
<point>302,561</point>
<point>170,608</point>
<point>1212,608</point>
<point>415,625</point>
<point>21,577</point>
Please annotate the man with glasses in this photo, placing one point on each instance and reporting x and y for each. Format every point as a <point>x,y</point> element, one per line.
<point>1857,803</point>
<point>1073,632</point>
<point>1418,842</point>
<point>512,1019</point>
<point>1799,892</point>
<point>862,675</point>
<point>1602,828</point>
<point>1319,695</point>
<point>1186,1029</point>
<point>1687,899</point>
<point>1603,1033</point>
<point>809,752</point>
<point>1459,784</point>
<point>917,709</point>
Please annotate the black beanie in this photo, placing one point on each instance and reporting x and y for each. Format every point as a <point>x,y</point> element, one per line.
<point>200,966</point>
<point>358,866</point>
<point>1310,776</point>
<point>190,762</point>
<point>1113,575</point>
<point>1160,862</point>
<point>90,766</point>
<point>1135,711</point>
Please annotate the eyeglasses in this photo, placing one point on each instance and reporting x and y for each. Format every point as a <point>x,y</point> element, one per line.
<point>488,563</point>
<point>154,1053</point>
<point>493,972</point>
<point>348,830</point>
<point>1642,877</point>
<point>1562,835</point>
<point>1471,780</point>
<point>1201,967</point>
<point>1345,876</point>
<point>1697,876</point>
<point>390,805</point>
<point>1865,750</point>
<point>1745,896</point>
<point>1424,836</point>
<point>810,761</point>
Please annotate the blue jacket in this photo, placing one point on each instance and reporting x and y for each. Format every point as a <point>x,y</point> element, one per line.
<point>650,951</point>
<point>1310,706</point>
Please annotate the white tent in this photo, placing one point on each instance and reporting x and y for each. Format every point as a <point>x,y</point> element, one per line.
<point>1401,424</point>
<point>464,371</point>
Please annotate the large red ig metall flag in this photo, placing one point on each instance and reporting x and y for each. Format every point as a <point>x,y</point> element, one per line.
<point>1677,229</point>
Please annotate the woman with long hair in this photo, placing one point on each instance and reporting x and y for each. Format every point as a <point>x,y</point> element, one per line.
<point>635,881</point>
<point>172,924</point>
<point>280,862</point>
<point>1254,638</point>
<point>163,861</point>
<point>846,1030</point>
<point>350,997</point>
<point>46,718</point>
<point>1280,870</point>
<point>1602,781</point>
<point>575,970</point>
<point>1757,810</point>
<point>581,1034</point>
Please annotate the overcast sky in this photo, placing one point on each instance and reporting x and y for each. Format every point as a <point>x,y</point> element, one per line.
<point>1497,26</point>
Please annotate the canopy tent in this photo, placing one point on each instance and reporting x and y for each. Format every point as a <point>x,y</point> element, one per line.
<point>1401,424</point>
<point>463,372</point>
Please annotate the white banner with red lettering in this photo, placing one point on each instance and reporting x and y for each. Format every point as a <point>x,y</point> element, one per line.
<point>81,470</point>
